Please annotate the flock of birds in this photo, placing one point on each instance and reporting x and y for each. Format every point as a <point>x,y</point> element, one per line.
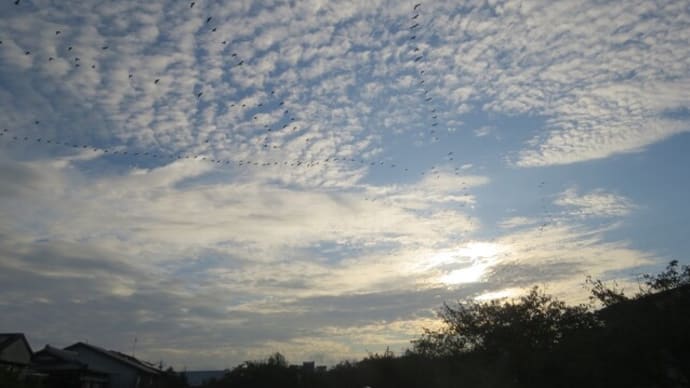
<point>5,133</point>
<point>419,58</point>
<point>271,116</point>
<point>263,115</point>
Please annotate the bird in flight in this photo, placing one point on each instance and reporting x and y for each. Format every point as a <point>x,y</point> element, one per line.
<point>417,6</point>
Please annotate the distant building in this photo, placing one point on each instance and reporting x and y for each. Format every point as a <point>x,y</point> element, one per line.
<point>15,351</point>
<point>201,377</point>
<point>308,366</point>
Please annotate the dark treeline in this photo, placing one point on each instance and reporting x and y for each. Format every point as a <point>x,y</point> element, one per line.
<point>641,340</point>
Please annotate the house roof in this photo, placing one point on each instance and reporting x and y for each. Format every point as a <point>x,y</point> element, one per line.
<point>117,356</point>
<point>7,339</point>
<point>50,359</point>
<point>57,353</point>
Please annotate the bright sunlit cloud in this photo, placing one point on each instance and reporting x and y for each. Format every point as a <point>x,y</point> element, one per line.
<point>507,293</point>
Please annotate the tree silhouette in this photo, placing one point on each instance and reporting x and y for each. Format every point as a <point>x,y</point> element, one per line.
<point>672,277</point>
<point>535,321</point>
<point>606,295</point>
<point>271,372</point>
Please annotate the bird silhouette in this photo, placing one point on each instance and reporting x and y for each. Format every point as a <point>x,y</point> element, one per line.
<point>156,81</point>
<point>417,6</point>
<point>208,19</point>
<point>191,5</point>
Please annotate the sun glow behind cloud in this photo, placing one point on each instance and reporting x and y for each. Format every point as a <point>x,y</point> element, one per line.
<point>474,258</point>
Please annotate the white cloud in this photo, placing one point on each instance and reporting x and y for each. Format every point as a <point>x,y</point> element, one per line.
<point>597,203</point>
<point>516,222</point>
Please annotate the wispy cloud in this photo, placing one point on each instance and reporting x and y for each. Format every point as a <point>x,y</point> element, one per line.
<point>597,203</point>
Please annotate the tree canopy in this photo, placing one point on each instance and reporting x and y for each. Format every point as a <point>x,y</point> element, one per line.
<point>534,321</point>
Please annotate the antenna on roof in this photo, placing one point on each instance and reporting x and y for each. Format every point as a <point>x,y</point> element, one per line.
<point>134,346</point>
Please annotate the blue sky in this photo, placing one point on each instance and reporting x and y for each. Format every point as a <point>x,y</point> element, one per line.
<point>316,178</point>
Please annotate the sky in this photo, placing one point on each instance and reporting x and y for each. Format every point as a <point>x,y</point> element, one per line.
<point>203,183</point>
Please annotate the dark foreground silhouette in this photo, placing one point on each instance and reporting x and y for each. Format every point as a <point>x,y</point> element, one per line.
<point>534,341</point>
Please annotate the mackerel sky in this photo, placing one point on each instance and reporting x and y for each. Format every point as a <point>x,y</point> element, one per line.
<point>220,180</point>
